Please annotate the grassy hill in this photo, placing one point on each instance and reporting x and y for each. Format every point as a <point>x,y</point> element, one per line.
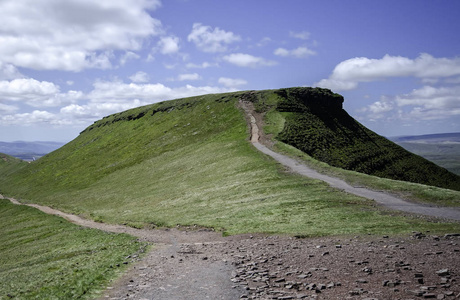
<point>329,134</point>
<point>188,161</point>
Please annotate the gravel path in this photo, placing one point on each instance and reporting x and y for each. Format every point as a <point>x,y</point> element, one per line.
<point>382,198</point>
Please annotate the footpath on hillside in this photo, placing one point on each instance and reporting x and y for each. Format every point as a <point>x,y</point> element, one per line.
<point>382,198</point>
<point>197,263</point>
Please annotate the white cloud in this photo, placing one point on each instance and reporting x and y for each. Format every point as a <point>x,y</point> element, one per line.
<point>299,52</point>
<point>140,77</point>
<point>232,82</point>
<point>247,60</point>
<point>426,103</point>
<point>431,98</point>
<point>27,89</point>
<point>303,35</point>
<point>188,77</point>
<point>169,45</point>
<point>36,93</point>
<point>72,35</point>
<point>107,97</point>
<point>8,72</point>
<point>27,119</point>
<point>92,110</point>
<point>349,73</point>
<point>211,40</point>
<point>116,91</point>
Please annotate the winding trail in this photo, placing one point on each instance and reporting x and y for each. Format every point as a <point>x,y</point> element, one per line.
<point>382,198</point>
<point>197,264</point>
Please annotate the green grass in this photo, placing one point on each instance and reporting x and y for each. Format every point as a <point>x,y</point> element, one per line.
<point>330,135</point>
<point>45,257</point>
<point>189,162</point>
<point>10,164</point>
<point>410,191</point>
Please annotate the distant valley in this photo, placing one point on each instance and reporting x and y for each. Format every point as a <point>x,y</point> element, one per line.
<point>443,149</point>
<point>28,150</point>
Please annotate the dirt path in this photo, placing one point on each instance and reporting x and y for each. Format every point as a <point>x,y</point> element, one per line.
<point>199,264</point>
<point>382,198</point>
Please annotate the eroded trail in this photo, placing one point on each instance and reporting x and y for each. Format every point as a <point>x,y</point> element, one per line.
<point>183,264</point>
<point>382,198</point>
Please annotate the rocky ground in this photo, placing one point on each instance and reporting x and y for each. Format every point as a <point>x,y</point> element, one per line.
<point>420,266</point>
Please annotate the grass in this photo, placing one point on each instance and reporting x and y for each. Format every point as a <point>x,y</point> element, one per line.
<point>189,162</point>
<point>411,191</point>
<point>183,162</point>
<point>45,257</point>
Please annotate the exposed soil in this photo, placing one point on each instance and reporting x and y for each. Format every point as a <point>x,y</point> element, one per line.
<point>197,263</point>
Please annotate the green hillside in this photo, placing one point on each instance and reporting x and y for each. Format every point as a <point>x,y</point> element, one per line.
<point>329,134</point>
<point>45,257</point>
<point>10,164</point>
<point>188,161</point>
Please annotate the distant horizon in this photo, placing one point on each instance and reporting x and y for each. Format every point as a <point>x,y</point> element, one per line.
<point>65,142</point>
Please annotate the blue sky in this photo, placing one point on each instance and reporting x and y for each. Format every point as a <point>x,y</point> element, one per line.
<point>66,64</point>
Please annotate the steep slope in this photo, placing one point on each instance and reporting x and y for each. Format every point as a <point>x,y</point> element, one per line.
<point>10,164</point>
<point>188,161</point>
<point>316,124</point>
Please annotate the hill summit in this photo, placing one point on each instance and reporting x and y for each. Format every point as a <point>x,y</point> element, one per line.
<point>309,119</point>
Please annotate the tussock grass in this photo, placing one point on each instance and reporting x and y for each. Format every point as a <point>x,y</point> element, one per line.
<point>45,257</point>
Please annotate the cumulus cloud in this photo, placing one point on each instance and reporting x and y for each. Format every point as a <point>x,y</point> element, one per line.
<point>36,93</point>
<point>211,40</point>
<point>299,52</point>
<point>116,91</point>
<point>232,82</point>
<point>140,77</point>
<point>95,110</point>
<point>8,72</point>
<point>27,119</point>
<point>349,73</point>
<point>77,108</point>
<point>168,45</point>
<point>426,103</point>
<point>72,35</point>
<point>247,60</point>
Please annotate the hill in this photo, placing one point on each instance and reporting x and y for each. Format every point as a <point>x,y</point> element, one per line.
<point>442,149</point>
<point>327,133</point>
<point>188,161</point>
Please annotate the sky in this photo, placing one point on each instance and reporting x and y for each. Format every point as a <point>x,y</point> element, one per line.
<point>67,64</point>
